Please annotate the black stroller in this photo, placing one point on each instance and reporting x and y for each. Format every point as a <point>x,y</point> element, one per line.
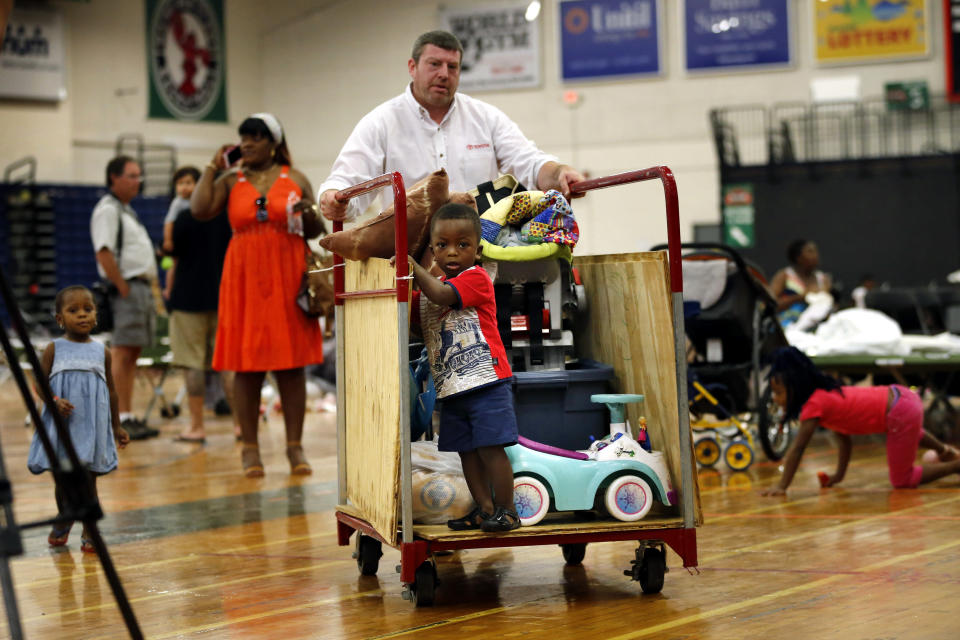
<point>732,328</point>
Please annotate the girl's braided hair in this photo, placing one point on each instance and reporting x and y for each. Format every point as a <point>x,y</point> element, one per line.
<point>800,377</point>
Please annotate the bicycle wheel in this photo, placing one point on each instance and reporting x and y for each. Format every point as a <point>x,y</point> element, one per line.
<point>775,433</point>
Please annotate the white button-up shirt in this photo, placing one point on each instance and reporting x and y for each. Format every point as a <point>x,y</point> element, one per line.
<point>136,253</point>
<point>475,143</point>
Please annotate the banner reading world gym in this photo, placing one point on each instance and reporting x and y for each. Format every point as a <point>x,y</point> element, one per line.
<point>185,60</point>
<point>602,38</point>
<point>870,30</point>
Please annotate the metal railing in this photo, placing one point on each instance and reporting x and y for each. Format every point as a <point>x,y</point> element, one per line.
<point>158,162</point>
<point>797,132</point>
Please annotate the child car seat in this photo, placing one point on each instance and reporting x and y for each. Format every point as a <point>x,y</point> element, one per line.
<point>536,288</point>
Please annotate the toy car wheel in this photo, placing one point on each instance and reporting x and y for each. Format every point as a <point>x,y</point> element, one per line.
<point>651,570</point>
<point>738,455</point>
<point>531,499</point>
<point>574,553</point>
<point>628,498</point>
<point>424,586</point>
<point>368,554</point>
<point>707,451</point>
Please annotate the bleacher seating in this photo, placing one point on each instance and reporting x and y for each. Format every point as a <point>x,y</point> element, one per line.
<point>72,249</point>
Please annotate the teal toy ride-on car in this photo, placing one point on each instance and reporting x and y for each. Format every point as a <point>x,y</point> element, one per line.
<point>615,472</point>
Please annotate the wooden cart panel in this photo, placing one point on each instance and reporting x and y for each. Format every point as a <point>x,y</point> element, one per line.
<point>373,404</point>
<point>629,326</point>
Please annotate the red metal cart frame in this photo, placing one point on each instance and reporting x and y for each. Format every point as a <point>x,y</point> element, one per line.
<point>415,551</point>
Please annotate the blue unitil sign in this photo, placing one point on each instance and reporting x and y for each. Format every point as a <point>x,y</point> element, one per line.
<point>601,38</point>
<point>737,33</point>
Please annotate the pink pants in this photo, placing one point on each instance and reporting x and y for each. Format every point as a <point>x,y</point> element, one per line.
<point>904,430</point>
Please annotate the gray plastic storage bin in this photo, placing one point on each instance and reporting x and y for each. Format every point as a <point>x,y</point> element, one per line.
<point>553,407</point>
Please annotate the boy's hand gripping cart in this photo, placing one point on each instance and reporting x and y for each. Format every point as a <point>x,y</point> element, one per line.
<point>373,424</point>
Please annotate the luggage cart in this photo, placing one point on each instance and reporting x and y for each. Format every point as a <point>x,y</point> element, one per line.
<point>375,494</point>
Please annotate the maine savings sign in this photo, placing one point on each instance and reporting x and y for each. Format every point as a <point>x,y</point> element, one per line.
<point>739,33</point>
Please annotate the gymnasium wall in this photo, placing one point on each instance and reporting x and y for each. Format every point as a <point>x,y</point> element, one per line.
<point>896,219</point>
<point>320,65</point>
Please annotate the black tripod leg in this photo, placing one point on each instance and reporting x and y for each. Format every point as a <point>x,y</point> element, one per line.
<point>114,579</point>
<point>10,545</point>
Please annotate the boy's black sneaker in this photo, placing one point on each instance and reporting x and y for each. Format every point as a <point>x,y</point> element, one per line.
<point>503,519</point>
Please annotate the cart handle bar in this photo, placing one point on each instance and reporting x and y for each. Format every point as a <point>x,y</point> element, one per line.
<point>673,210</point>
<point>400,234</point>
<point>664,174</point>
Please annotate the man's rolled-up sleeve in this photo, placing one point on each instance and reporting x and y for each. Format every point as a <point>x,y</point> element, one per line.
<point>103,227</point>
<point>360,159</point>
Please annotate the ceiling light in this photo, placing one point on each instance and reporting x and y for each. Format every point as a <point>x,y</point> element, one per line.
<point>533,10</point>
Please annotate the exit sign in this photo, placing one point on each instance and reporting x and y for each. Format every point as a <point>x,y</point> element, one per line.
<point>907,96</point>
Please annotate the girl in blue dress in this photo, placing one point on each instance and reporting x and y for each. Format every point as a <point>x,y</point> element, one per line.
<point>78,368</point>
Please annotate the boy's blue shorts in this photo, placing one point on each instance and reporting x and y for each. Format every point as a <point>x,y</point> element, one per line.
<point>481,418</point>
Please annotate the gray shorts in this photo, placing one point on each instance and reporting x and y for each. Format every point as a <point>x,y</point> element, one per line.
<point>134,317</point>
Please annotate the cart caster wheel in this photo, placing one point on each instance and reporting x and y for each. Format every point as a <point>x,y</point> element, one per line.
<point>170,411</point>
<point>573,554</point>
<point>738,455</point>
<point>424,587</point>
<point>707,451</point>
<point>648,567</point>
<point>651,570</point>
<point>368,552</point>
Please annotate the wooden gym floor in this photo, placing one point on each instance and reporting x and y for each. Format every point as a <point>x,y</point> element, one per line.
<point>204,553</point>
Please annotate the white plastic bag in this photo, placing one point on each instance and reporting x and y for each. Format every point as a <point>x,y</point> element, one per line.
<point>440,492</point>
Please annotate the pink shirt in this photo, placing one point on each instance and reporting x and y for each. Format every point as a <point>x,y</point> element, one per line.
<point>859,410</point>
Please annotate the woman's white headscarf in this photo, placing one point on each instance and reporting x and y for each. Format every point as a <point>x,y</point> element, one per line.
<point>273,125</point>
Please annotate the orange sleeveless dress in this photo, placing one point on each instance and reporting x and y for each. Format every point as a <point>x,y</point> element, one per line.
<point>260,327</point>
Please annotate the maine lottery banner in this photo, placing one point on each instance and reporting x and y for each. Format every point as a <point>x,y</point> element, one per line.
<point>870,30</point>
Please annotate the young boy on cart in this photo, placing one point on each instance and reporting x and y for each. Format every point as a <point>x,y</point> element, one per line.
<point>458,318</point>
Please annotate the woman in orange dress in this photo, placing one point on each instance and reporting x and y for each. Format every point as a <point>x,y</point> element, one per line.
<point>260,327</point>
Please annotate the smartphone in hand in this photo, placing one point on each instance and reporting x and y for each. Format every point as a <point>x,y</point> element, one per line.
<point>232,156</point>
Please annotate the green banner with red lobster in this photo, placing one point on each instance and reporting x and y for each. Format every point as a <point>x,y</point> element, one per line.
<point>186,60</point>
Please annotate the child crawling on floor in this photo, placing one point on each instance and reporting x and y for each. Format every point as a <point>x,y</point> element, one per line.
<point>816,399</point>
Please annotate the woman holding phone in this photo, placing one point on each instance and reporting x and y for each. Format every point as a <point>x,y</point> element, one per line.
<point>271,209</point>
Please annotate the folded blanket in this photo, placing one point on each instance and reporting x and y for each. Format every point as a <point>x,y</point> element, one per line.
<point>553,221</point>
<point>542,217</point>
